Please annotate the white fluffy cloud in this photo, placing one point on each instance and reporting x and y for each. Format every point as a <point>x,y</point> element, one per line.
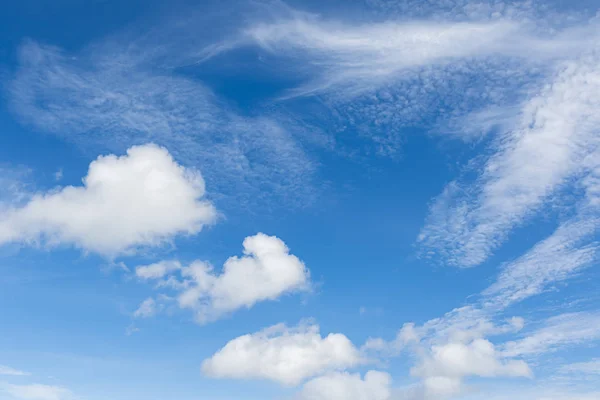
<point>143,198</point>
<point>447,364</point>
<point>367,56</point>
<point>376,385</point>
<point>282,354</point>
<point>266,271</point>
<point>36,392</point>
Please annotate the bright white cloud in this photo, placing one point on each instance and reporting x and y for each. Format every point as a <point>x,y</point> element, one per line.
<point>375,385</point>
<point>36,392</point>
<point>266,271</point>
<point>477,358</point>
<point>5,370</point>
<point>282,354</point>
<point>140,199</point>
<point>547,148</point>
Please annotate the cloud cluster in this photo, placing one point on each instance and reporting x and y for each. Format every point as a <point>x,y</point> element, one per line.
<point>542,154</point>
<point>288,356</point>
<point>141,199</point>
<point>266,271</point>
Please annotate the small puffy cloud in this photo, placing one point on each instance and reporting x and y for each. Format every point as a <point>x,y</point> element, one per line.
<point>282,354</point>
<point>36,392</point>
<point>266,271</point>
<point>346,386</point>
<point>143,198</point>
<point>5,370</point>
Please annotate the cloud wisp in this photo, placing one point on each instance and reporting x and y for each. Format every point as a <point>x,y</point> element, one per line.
<point>111,96</point>
<point>543,154</point>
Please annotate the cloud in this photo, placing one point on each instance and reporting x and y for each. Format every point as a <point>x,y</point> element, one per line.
<point>266,271</point>
<point>375,385</point>
<point>282,354</point>
<point>146,309</point>
<point>560,331</point>
<point>541,155</point>
<point>157,270</point>
<point>350,56</point>
<point>355,57</point>
<point>36,392</point>
<point>552,260</point>
<point>133,88</point>
<point>591,367</point>
<point>456,360</point>
<point>141,199</point>
<point>4,370</point>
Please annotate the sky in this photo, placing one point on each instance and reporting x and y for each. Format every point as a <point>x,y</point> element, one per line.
<point>299,200</point>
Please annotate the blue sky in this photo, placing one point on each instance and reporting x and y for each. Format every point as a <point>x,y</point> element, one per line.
<point>340,200</point>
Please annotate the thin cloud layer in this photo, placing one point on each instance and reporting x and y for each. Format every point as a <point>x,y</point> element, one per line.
<point>559,331</point>
<point>36,392</point>
<point>5,370</point>
<point>352,58</point>
<point>126,202</point>
<point>121,92</point>
<point>543,154</point>
<point>285,355</point>
<point>266,271</point>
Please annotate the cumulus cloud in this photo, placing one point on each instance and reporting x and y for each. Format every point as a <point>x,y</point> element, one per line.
<point>141,199</point>
<point>286,355</point>
<point>36,392</point>
<point>375,385</point>
<point>479,357</point>
<point>266,271</point>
